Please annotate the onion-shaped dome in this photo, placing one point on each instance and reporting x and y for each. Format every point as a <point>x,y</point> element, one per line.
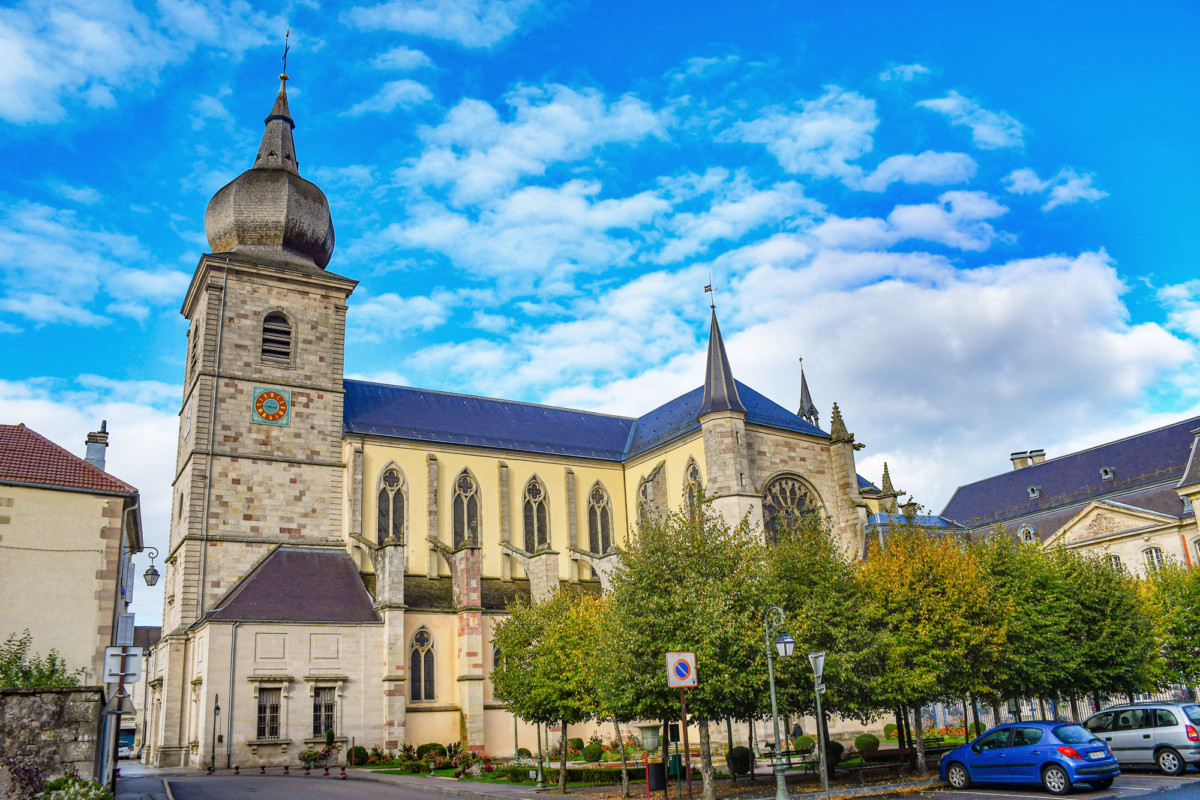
<point>269,214</point>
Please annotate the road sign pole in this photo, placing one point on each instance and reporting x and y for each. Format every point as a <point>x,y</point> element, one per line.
<point>687,751</point>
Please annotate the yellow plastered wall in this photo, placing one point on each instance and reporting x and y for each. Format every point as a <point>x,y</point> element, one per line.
<point>675,460</point>
<point>485,466</point>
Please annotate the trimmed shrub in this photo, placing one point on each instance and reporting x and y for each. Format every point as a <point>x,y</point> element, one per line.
<point>835,753</point>
<point>866,743</point>
<point>414,767</point>
<point>523,752</point>
<point>431,749</point>
<point>575,743</point>
<point>592,752</point>
<point>516,774</point>
<point>738,760</point>
<point>357,756</point>
<point>889,731</point>
<point>804,743</point>
<point>593,776</point>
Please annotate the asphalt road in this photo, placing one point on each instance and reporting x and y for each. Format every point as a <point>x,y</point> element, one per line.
<point>274,787</point>
<point>1129,785</point>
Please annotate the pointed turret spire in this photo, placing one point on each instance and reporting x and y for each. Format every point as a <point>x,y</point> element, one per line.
<point>808,411</point>
<point>838,432</point>
<point>887,482</point>
<point>720,391</point>
<point>277,150</point>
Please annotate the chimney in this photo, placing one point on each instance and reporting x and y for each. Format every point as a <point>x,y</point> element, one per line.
<point>97,444</point>
<point>1021,459</point>
<point>1037,456</point>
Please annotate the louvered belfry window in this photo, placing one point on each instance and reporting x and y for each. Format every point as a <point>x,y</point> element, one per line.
<point>277,339</point>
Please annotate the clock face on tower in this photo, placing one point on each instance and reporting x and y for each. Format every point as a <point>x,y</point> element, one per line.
<point>271,406</point>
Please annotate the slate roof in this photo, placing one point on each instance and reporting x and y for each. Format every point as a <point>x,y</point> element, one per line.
<point>146,635</point>
<point>296,584</point>
<point>921,520</point>
<point>28,458</point>
<point>426,415</point>
<point>863,483</point>
<point>1146,468</point>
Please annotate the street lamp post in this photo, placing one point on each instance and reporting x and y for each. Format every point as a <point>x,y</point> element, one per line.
<point>783,643</point>
<point>212,758</point>
<point>818,664</point>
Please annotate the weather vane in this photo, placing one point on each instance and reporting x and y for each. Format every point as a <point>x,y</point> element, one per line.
<point>708,289</point>
<point>287,34</point>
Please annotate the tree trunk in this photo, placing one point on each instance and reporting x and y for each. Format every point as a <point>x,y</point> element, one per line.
<point>975,731</point>
<point>908,741</point>
<point>562,770</point>
<point>966,722</point>
<point>729,735</point>
<point>1042,705</point>
<point>1074,708</point>
<point>899,733</point>
<point>706,767</point>
<point>624,766</point>
<point>922,768</point>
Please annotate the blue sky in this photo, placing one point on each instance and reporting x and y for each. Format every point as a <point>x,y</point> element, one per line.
<point>975,222</point>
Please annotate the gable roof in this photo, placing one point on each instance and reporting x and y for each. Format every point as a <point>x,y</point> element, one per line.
<point>295,584</point>
<point>29,459</point>
<point>427,415</point>
<point>1138,462</point>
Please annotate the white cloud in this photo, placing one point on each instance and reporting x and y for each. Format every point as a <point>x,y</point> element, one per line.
<point>143,424</point>
<point>1182,302</point>
<point>208,107</point>
<point>938,169</point>
<point>958,219</point>
<point>821,138</point>
<point>390,316</point>
<point>401,58</point>
<point>1065,188</point>
<point>54,52</point>
<point>84,195</point>
<point>492,323</point>
<point>990,130</point>
<point>393,95</point>
<point>469,23</point>
<point>481,156</point>
<point>903,72</point>
<point>699,67</point>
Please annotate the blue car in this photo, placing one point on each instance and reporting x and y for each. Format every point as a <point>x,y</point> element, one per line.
<point>1054,754</point>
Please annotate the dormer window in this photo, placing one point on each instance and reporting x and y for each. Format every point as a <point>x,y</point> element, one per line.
<point>1107,473</point>
<point>1035,492</point>
<point>277,339</point>
<point>1028,534</point>
<point>1187,505</point>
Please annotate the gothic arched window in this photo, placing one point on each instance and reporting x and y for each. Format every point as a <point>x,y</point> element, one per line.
<point>466,509</point>
<point>786,501</point>
<point>391,506</point>
<point>421,669</point>
<point>537,516</point>
<point>693,488</point>
<point>277,338</point>
<point>599,521</point>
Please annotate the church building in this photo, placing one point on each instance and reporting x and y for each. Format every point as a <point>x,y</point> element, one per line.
<point>340,550</point>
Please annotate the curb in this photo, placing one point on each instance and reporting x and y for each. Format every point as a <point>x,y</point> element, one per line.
<point>428,785</point>
<point>861,791</point>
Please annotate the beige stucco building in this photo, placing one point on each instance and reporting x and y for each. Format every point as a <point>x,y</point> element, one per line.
<point>341,550</point>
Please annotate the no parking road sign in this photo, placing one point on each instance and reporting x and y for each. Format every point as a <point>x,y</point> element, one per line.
<point>681,670</point>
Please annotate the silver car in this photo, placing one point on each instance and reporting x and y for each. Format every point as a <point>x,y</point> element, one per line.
<point>1162,734</point>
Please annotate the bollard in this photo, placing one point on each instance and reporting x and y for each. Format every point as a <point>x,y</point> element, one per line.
<point>306,769</point>
<point>262,769</point>
<point>237,770</point>
<point>209,770</point>
<point>327,772</point>
<point>343,773</point>
<point>285,770</point>
<point>116,773</point>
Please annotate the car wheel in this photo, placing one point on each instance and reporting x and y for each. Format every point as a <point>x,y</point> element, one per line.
<point>1170,762</point>
<point>958,776</point>
<point>1056,780</point>
<point>1102,785</point>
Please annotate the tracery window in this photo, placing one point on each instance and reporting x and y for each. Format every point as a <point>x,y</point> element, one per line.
<point>277,338</point>
<point>466,509</point>
<point>390,522</point>
<point>421,669</point>
<point>786,502</point>
<point>599,521</point>
<point>537,516</point>
<point>1154,558</point>
<point>692,486</point>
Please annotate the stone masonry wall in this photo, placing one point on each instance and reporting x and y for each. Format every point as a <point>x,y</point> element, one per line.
<point>58,727</point>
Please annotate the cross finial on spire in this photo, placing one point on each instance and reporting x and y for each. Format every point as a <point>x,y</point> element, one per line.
<point>287,35</point>
<point>709,290</point>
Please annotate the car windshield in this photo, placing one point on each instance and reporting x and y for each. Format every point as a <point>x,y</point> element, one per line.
<point>1193,713</point>
<point>1074,734</point>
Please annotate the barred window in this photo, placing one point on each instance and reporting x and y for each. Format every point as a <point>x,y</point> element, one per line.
<point>787,501</point>
<point>421,667</point>
<point>277,339</point>
<point>268,713</point>
<point>599,521</point>
<point>390,505</point>
<point>537,516</point>
<point>466,509</point>
<point>323,704</point>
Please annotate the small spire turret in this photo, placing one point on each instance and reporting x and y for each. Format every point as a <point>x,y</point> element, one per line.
<point>720,390</point>
<point>808,410</point>
<point>837,430</point>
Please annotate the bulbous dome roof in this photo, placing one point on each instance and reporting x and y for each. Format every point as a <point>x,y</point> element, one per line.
<point>269,213</point>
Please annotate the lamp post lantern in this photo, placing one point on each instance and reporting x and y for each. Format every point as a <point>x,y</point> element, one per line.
<point>783,644</point>
<point>212,758</point>
<point>152,574</point>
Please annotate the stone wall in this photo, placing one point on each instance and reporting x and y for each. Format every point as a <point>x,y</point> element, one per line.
<point>58,727</point>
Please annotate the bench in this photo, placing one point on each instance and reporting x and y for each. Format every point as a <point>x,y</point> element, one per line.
<point>886,768</point>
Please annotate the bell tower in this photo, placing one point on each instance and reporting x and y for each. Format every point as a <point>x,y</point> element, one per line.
<point>259,460</point>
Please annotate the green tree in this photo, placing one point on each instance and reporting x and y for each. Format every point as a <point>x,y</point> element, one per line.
<point>21,667</point>
<point>690,582</point>
<point>941,632</point>
<point>1175,601</point>
<point>542,677</point>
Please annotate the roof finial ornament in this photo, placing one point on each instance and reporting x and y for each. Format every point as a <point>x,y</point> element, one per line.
<point>286,35</point>
<point>808,410</point>
<point>709,290</point>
